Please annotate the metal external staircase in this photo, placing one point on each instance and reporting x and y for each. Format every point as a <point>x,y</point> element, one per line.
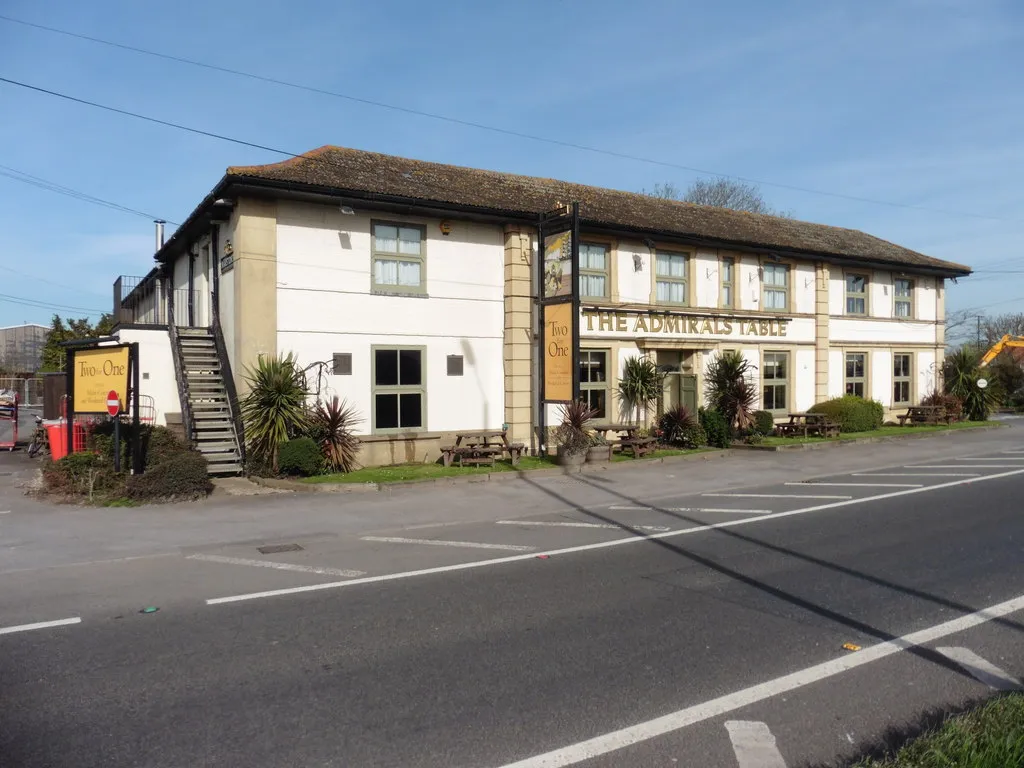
<point>207,400</point>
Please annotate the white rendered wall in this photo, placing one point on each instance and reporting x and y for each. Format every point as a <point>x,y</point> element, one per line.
<point>802,377</point>
<point>156,369</point>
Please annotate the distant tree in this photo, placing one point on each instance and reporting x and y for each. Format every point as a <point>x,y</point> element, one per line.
<point>73,329</point>
<point>994,328</point>
<point>720,193</point>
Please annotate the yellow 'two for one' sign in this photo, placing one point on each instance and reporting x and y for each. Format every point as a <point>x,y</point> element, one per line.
<point>97,372</point>
<point>558,345</point>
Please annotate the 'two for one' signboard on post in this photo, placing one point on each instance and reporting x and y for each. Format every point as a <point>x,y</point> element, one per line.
<point>96,373</point>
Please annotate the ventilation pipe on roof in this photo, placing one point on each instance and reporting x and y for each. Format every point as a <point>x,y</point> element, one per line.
<point>159,234</point>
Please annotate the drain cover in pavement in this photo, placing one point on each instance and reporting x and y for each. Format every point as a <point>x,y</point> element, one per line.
<point>275,548</point>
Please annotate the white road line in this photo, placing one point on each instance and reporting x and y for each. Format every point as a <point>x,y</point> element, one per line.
<point>981,669</point>
<point>990,458</point>
<point>610,742</point>
<point>925,474</point>
<point>960,466</point>
<point>5,512</point>
<point>774,496</point>
<point>859,485</point>
<point>700,509</point>
<point>582,525</point>
<point>278,566</point>
<point>602,544</point>
<point>39,625</point>
<point>436,543</point>
<point>754,744</point>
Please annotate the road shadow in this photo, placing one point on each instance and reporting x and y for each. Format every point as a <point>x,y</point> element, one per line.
<point>822,611</point>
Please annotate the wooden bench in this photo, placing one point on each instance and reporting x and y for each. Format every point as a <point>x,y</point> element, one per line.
<point>638,446</point>
<point>476,448</point>
<point>924,414</point>
<point>808,425</point>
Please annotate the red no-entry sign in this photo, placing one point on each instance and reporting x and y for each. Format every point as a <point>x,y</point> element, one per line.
<point>113,403</point>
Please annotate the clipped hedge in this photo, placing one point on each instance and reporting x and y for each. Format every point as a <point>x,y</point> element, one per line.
<point>764,423</point>
<point>716,428</point>
<point>180,477</point>
<point>852,413</point>
<point>300,456</point>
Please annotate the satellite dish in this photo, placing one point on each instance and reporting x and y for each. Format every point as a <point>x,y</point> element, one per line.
<point>982,383</point>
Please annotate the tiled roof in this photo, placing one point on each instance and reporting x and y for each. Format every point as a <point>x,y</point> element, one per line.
<point>339,168</point>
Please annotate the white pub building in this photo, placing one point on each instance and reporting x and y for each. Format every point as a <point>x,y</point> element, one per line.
<point>409,289</point>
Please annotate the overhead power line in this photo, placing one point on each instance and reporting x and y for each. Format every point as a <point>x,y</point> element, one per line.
<point>30,302</point>
<point>485,126</point>
<point>48,282</point>
<point>51,186</point>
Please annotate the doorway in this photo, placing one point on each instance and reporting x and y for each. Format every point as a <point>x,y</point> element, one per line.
<point>679,385</point>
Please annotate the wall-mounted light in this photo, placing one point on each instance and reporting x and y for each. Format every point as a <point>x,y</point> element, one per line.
<point>346,210</point>
<point>228,248</point>
<point>445,227</point>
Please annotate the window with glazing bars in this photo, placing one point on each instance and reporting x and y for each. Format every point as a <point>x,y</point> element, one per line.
<point>775,287</point>
<point>855,378</point>
<point>856,295</point>
<point>399,391</point>
<point>903,291</point>
<point>901,367</point>
<point>594,380</point>
<point>593,271</point>
<point>398,258</point>
<point>671,278</point>
<point>728,279</point>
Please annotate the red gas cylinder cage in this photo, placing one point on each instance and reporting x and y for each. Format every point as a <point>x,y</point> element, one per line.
<point>57,432</point>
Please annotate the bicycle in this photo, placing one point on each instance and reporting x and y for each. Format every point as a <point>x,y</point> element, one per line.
<point>40,439</point>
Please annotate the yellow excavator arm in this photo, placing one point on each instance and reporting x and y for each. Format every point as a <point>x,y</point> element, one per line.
<point>1007,342</point>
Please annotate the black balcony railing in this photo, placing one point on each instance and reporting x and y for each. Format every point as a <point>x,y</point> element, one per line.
<point>144,301</point>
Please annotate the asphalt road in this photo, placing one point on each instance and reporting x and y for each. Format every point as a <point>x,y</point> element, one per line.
<point>700,628</point>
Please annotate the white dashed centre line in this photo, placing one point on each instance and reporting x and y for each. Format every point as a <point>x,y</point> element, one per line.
<point>917,474</point>
<point>277,566</point>
<point>754,744</point>
<point>436,543</point>
<point>962,466</point>
<point>39,625</point>
<point>775,496</point>
<point>981,669</point>
<point>582,525</point>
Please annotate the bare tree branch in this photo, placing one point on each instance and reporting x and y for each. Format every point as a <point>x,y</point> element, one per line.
<point>720,193</point>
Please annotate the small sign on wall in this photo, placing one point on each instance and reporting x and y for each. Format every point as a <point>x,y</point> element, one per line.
<point>558,352</point>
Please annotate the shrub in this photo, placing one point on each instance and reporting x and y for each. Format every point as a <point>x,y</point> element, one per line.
<point>275,407</point>
<point>731,390</point>
<point>852,413</point>
<point>334,424</point>
<point>82,474</point>
<point>183,476</point>
<point>764,422</point>
<point>679,426</point>
<point>954,405</point>
<point>160,444</point>
<point>640,385</point>
<point>960,373</point>
<point>300,456</point>
<point>572,434</point>
<point>715,427</point>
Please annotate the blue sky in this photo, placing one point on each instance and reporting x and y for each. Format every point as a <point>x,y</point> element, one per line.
<point>916,102</point>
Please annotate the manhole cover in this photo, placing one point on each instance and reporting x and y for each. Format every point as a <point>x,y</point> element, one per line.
<point>273,549</point>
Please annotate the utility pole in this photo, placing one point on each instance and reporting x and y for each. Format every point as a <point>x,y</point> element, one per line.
<point>979,330</point>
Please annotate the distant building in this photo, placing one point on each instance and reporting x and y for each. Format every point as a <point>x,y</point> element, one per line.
<point>21,348</point>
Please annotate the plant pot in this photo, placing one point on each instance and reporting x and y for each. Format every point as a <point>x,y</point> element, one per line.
<point>570,459</point>
<point>599,454</point>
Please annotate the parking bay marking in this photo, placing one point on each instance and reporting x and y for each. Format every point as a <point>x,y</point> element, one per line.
<point>775,496</point>
<point>754,744</point>
<point>811,484</point>
<point>39,625</point>
<point>279,566</point>
<point>601,544</point>
<point>962,466</point>
<point>697,509</point>
<point>731,702</point>
<point>922,474</point>
<point>981,669</point>
<point>581,525</point>
<point>437,543</point>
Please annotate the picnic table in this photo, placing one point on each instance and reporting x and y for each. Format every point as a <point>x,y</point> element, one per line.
<point>481,448</point>
<point>924,414</point>
<point>809,425</point>
<point>626,438</point>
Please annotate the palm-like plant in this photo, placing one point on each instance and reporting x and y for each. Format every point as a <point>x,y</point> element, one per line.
<point>960,373</point>
<point>334,424</point>
<point>640,385</point>
<point>274,409</point>
<point>730,389</point>
<point>572,434</point>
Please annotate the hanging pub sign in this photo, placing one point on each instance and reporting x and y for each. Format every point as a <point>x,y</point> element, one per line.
<point>558,267</point>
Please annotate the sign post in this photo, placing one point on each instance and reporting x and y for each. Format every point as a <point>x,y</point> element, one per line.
<point>559,298</point>
<point>114,408</point>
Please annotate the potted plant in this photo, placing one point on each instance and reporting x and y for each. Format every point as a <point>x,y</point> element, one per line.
<point>600,449</point>
<point>572,435</point>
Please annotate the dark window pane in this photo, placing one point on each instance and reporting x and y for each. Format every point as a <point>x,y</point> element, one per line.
<point>386,412</point>
<point>595,398</point>
<point>385,367</point>
<point>769,398</point>
<point>412,410</point>
<point>409,368</point>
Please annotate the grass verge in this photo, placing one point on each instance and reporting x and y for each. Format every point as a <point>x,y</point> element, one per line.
<point>404,472</point>
<point>990,736</point>
<point>881,432</point>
